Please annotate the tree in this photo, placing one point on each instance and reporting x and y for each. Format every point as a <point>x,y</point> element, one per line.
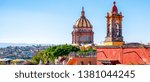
<point>53,52</point>
<point>86,52</point>
<point>50,57</point>
<point>62,50</point>
<point>39,56</point>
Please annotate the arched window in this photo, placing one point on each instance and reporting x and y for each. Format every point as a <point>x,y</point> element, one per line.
<point>81,63</point>
<point>89,38</point>
<point>110,29</point>
<point>77,38</point>
<point>89,63</point>
<point>80,38</point>
<point>117,29</point>
<point>85,38</point>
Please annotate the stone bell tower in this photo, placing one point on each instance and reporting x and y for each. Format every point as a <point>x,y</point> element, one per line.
<point>114,28</point>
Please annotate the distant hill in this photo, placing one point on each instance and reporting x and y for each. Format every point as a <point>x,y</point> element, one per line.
<point>3,45</point>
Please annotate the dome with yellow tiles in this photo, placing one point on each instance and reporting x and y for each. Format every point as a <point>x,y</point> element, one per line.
<point>83,22</point>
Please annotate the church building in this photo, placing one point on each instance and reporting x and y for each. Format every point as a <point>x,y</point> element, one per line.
<point>114,28</point>
<point>114,51</point>
<point>82,31</point>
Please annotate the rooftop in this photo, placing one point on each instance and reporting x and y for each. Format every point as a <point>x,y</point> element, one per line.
<point>128,45</point>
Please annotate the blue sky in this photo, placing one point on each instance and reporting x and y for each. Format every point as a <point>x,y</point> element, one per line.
<point>51,21</point>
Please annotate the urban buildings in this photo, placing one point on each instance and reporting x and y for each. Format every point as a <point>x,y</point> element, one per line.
<point>113,50</point>
<point>18,54</point>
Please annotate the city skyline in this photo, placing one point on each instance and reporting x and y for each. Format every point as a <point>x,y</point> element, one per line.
<point>51,21</point>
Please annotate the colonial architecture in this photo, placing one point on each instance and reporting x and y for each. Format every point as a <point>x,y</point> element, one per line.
<point>128,54</point>
<point>114,28</point>
<point>82,31</point>
<point>115,51</point>
<point>88,59</point>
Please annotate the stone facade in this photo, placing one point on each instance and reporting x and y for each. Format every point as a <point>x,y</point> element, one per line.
<point>82,31</point>
<point>114,26</point>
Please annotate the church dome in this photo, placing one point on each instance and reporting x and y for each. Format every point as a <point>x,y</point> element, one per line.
<point>83,22</point>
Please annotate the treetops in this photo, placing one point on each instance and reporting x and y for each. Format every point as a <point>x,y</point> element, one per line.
<point>53,52</point>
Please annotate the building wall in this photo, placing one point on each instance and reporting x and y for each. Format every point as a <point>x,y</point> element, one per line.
<point>85,60</point>
<point>79,37</point>
<point>126,56</point>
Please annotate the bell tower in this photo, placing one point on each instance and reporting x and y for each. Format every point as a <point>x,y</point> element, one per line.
<point>114,28</point>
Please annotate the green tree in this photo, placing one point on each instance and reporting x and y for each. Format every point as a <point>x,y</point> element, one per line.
<point>85,52</point>
<point>53,52</point>
<point>39,56</point>
<point>61,50</point>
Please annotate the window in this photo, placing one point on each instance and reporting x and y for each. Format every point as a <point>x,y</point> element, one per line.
<point>118,30</point>
<point>80,30</point>
<point>81,63</point>
<point>89,63</point>
<point>85,38</point>
<point>89,39</point>
<point>80,38</point>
